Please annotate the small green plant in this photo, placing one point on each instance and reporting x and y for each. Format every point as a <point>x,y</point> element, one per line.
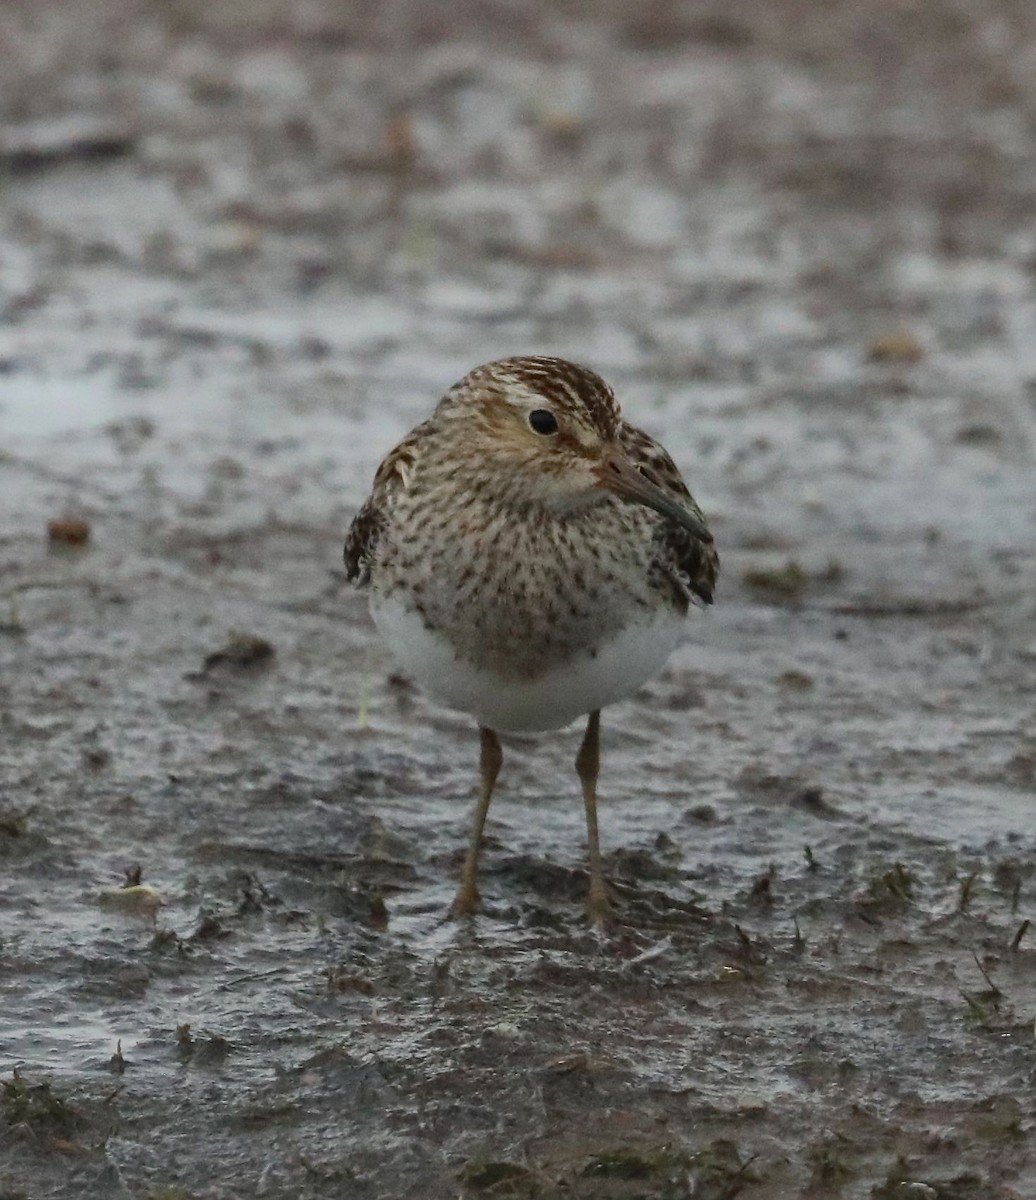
<point>497,1178</point>
<point>37,1106</point>
<point>896,884</point>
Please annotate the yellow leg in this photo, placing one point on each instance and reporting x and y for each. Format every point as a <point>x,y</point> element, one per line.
<point>465,903</point>
<point>588,761</point>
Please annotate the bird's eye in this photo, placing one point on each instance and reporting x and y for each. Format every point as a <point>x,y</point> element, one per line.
<point>542,420</point>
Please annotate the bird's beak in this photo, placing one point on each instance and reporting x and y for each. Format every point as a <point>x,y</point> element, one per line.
<point>617,474</point>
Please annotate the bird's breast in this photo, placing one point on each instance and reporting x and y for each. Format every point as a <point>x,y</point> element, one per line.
<point>519,596</point>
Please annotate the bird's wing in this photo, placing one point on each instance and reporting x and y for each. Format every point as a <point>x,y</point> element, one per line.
<point>361,542</point>
<point>690,565</point>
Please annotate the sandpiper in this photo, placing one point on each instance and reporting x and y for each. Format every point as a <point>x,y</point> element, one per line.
<point>531,558</point>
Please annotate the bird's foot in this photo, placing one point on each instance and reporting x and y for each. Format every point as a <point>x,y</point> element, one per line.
<point>599,906</point>
<point>465,903</point>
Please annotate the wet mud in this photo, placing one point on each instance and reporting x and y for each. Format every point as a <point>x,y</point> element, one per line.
<point>243,248</point>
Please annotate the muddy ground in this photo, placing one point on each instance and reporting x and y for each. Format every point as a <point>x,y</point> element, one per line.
<point>243,247</point>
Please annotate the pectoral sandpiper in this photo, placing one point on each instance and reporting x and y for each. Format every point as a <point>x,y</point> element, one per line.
<point>530,559</point>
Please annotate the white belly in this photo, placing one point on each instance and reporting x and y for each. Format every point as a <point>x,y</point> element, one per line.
<point>580,685</point>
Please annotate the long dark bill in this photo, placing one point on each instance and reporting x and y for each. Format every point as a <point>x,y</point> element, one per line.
<point>618,474</point>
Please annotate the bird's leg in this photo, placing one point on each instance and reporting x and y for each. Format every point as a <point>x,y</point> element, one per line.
<point>588,761</point>
<point>465,903</point>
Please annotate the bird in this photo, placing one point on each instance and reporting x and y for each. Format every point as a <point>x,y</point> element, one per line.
<point>530,558</point>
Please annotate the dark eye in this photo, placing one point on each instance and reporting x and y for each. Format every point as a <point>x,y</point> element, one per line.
<point>543,421</point>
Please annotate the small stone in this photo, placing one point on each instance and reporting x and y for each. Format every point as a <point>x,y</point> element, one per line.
<point>137,901</point>
<point>68,531</point>
<point>899,348</point>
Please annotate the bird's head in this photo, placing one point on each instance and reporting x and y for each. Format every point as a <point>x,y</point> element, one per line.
<point>550,430</point>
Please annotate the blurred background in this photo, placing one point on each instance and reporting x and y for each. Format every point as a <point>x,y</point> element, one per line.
<point>244,246</point>
<point>205,203</point>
